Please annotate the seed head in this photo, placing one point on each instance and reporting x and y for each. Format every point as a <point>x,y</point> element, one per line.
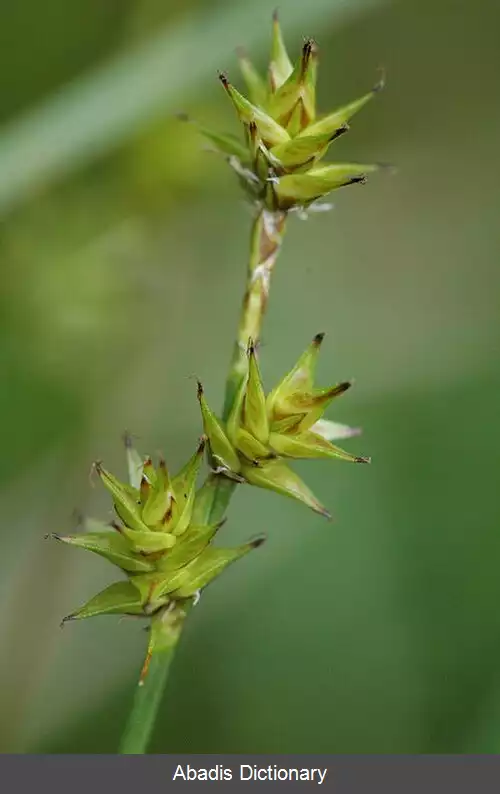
<point>284,139</point>
<point>164,555</point>
<point>263,431</point>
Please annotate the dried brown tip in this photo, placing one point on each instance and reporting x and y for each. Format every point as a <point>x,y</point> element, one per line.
<point>362,179</point>
<point>168,513</point>
<point>52,536</point>
<point>276,15</point>
<point>201,445</point>
<point>362,459</point>
<point>181,115</point>
<point>252,131</point>
<point>223,78</point>
<point>127,439</point>
<point>318,339</point>
<point>323,512</point>
<point>162,463</point>
<point>308,50</point>
<point>340,388</point>
<point>258,541</point>
<point>199,389</point>
<point>251,347</point>
<point>340,131</point>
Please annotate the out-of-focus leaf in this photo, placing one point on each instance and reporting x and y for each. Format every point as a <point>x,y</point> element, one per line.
<point>104,108</point>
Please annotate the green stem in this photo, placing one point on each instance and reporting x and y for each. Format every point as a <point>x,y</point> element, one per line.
<point>166,627</point>
<point>215,495</point>
<point>265,243</point>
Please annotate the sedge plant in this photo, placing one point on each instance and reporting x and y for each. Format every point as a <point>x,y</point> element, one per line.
<point>162,539</point>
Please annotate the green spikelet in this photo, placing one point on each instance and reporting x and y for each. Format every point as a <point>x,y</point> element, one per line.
<point>287,423</point>
<point>283,133</point>
<point>165,557</point>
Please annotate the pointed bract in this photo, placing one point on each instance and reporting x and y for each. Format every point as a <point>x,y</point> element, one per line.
<point>220,446</point>
<point>110,545</point>
<point>184,488</point>
<point>301,189</point>
<point>298,91</point>
<point>280,66</point>
<point>333,121</point>
<point>277,476</point>
<point>309,445</point>
<point>134,462</point>
<point>303,151</point>
<point>192,543</point>
<point>207,567</point>
<point>120,598</point>
<point>250,447</point>
<point>300,379</point>
<point>126,505</point>
<point>254,407</point>
<point>226,144</point>
<point>256,86</point>
<point>269,130</point>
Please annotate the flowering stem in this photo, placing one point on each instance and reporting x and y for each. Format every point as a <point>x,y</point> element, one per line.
<point>166,627</point>
<point>213,499</point>
<point>265,243</point>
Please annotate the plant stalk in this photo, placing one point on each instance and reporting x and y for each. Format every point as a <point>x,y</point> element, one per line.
<point>265,244</point>
<point>165,630</point>
<point>212,501</point>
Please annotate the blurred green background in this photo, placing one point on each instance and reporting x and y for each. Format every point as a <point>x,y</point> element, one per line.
<point>123,247</point>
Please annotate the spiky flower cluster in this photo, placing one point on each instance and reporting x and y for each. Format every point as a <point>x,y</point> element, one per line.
<point>165,556</point>
<point>261,431</point>
<point>158,542</point>
<point>279,163</point>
